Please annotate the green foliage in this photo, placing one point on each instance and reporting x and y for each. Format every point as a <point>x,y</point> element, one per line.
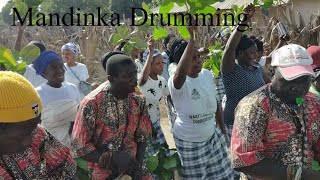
<point>213,62</point>
<point>162,164</point>
<point>131,38</point>
<point>266,4</point>
<point>5,13</point>
<point>13,60</point>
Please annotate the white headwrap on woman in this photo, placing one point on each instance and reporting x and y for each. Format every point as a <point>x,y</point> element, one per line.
<point>71,47</point>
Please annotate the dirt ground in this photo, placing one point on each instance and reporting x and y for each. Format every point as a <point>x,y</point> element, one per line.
<point>165,125</point>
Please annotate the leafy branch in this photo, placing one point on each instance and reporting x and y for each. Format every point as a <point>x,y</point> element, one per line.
<point>164,164</point>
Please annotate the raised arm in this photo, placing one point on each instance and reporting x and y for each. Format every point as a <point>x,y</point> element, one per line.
<point>229,54</point>
<point>185,63</point>
<point>147,67</point>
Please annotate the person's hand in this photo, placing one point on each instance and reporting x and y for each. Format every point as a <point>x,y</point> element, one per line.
<point>191,29</point>
<point>249,11</point>
<point>123,162</point>
<point>151,44</point>
<point>105,160</point>
<point>137,175</point>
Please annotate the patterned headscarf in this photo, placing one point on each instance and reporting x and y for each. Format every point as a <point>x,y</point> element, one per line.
<point>71,47</point>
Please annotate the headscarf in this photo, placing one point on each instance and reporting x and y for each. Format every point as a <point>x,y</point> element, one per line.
<point>71,47</point>
<point>45,58</point>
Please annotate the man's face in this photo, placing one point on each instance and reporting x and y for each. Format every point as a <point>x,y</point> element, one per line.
<point>288,91</point>
<point>18,137</point>
<point>126,78</point>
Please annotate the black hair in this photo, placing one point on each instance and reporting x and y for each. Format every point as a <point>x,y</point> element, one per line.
<point>115,62</point>
<point>176,50</point>
<point>106,56</point>
<point>244,44</point>
<point>167,39</point>
<point>258,43</point>
<point>39,45</point>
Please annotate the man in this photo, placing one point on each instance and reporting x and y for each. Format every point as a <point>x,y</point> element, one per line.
<point>113,125</point>
<point>277,128</point>
<point>27,150</point>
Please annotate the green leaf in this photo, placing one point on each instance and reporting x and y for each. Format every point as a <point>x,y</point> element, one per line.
<point>159,33</point>
<point>166,175</point>
<point>9,57</point>
<point>138,43</point>
<point>183,32</point>
<point>20,68</point>
<point>152,163</point>
<point>169,163</point>
<point>29,53</point>
<point>165,9</point>
<point>146,8</point>
<point>22,7</point>
<point>207,10</point>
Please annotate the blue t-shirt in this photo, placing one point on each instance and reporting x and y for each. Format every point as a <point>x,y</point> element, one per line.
<point>238,84</point>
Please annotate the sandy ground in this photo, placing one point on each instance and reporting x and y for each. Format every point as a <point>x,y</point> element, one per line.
<point>164,121</point>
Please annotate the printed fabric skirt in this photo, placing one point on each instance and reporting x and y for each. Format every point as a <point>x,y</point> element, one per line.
<point>160,139</point>
<point>205,160</point>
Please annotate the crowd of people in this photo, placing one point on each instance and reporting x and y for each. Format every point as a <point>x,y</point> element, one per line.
<point>242,124</point>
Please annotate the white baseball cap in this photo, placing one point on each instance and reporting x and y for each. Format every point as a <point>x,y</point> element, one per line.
<point>156,53</point>
<point>293,61</point>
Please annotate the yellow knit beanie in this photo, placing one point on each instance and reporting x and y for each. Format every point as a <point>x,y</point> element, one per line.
<point>19,101</point>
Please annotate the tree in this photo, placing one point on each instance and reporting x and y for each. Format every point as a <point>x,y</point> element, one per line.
<point>125,6</point>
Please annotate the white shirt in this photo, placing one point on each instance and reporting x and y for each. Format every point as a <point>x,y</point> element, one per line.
<point>166,63</point>
<point>196,106</point>
<point>82,73</point>
<point>139,67</point>
<point>154,90</point>
<point>32,77</point>
<point>263,60</point>
<point>50,94</point>
<point>172,68</point>
<point>60,107</point>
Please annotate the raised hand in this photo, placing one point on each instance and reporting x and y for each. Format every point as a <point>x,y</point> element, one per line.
<point>249,11</point>
<point>124,162</point>
<point>151,44</point>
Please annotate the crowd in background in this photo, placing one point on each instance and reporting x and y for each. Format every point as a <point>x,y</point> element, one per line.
<point>241,124</point>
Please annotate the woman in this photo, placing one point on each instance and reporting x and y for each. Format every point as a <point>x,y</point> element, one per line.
<point>27,150</point>
<point>75,72</point>
<point>200,143</point>
<point>60,99</point>
<point>241,72</point>
<point>154,87</point>
<point>30,73</point>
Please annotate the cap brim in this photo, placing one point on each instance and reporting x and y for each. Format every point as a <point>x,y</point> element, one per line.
<point>293,72</point>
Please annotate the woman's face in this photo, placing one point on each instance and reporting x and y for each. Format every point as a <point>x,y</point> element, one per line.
<point>157,65</point>
<point>17,137</point>
<point>197,62</point>
<point>249,57</point>
<point>54,73</point>
<point>68,56</point>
